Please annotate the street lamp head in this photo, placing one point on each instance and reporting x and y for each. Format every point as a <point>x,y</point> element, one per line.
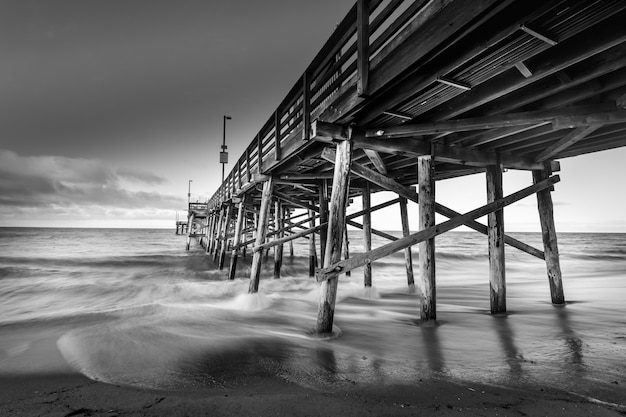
<point>227,117</point>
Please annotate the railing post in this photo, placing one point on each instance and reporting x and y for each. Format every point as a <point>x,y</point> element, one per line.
<point>306,106</point>
<point>259,155</point>
<point>277,149</point>
<point>248,172</point>
<point>363,55</point>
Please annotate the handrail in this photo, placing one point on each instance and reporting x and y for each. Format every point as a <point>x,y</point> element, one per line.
<point>334,66</point>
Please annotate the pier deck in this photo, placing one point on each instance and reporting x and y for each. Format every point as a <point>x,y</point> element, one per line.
<point>407,93</point>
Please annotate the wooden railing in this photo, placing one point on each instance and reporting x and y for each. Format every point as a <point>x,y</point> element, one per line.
<point>365,36</point>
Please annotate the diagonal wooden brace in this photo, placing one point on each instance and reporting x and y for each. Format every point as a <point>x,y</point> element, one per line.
<point>349,264</point>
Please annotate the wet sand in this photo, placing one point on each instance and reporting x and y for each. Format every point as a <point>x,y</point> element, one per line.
<point>75,395</point>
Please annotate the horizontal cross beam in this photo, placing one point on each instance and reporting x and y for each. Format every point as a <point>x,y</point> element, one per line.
<point>410,194</point>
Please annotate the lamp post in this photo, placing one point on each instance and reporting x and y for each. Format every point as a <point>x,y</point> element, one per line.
<point>189,193</point>
<point>224,154</point>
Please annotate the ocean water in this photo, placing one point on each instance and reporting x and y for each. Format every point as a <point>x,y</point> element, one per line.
<point>134,307</point>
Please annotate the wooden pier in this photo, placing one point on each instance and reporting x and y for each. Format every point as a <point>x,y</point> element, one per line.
<point>405,94</point>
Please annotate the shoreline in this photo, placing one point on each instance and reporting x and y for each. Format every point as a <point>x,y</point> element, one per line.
<point>72,394</point>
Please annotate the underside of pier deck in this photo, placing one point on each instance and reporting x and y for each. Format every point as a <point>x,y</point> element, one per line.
<point>414,92</point>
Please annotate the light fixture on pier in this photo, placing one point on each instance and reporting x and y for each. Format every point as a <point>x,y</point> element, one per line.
<point>224,154</point>
<point>189,193</point>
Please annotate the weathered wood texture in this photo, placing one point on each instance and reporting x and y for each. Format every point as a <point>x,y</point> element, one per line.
<point>278,249</point>
<point>427,286</point>
<point>336,224</point>
<point>495,224</point>
<point>312,248</point>
<point>235,252</point>
<point>367,234</point>
<point>548,233</point>
<point>224,236</point>
<point>255,269</point>
<point>408,254</point>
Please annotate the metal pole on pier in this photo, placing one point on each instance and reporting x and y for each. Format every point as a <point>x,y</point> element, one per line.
<point>224,154</point>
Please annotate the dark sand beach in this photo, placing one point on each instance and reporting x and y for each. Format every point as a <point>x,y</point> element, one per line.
<point>74,395</point>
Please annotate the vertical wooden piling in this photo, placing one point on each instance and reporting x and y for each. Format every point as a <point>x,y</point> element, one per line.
<point>495,233</point>
<point>428,294</point>
<point>346,247</point>
<point>190,220</point>
<point>336,224</point>
<point>408,254</point>
<point>323,204</point>
<point>278,249</point>
<point>312,248</point>
<point>224,235</point>
<point>209,232</point>
<point>235,253</point>
<point>367,233</point>
<point>548,233</point>
<point>288,217</point>
<point>266,199</point>
<point>244,233</point>
<point>218,228</point>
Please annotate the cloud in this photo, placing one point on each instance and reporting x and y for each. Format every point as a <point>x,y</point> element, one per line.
<point>56,182</point>
<point>140,176</point>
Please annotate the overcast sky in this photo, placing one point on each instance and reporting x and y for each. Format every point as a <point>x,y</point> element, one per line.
<point>109,107</point>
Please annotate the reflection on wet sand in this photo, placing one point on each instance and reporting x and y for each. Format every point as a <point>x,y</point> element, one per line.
<point>433,350</point>
<point>573,343</point>
<point>512,356</point>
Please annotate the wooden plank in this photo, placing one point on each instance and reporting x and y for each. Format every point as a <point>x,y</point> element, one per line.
<point>357,261</point>
<point>523,69</point>
<point>373,231</point>
<point>237,240</point>
<point>367,233</point>
<point>601,38</point>
<point>443,153</point>
<point>548,233</point>
<point>329,132</point>
<point>567,141</point>
<point>488,122</point>
<point>255,269</point>
<point>426,199</point>
<point>495,226</point>
<point>363,55</point>
<point>464,50</point>
<point>378,162</point>
<point>294,201</point>
<point>539,35</point>
<point>336,225</point>
<point>618,116</point>
<point>408,255</point>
